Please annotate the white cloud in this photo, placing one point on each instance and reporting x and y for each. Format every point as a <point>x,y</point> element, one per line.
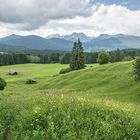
<point>110,19</point>
<point>31,14</point>
<point>116,19</point>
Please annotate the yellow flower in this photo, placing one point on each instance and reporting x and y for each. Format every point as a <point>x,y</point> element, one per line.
<point>62,96</point>
<point>36,109</point>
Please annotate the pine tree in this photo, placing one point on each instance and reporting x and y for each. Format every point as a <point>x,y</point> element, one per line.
<point>77,56</point>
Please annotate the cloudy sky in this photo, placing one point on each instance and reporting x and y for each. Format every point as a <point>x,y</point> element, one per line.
<point>93,17</point>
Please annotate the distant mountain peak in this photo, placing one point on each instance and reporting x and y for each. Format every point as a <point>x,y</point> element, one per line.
<point>34,36</point>
<point>71,37</point>
<point>104,36</point>
<point>65,43</point>
<point>12,36</point>
<point>75,33</point>
<point>74,36</point>
<point>101,37</point>
<point>53,36</point>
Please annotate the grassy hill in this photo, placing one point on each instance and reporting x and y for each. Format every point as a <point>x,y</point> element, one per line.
<point>111,80</point>
<point>100,103</point>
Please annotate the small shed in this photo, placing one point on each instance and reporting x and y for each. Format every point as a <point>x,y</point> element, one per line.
<point>13,73</point>
<point>31,81</point>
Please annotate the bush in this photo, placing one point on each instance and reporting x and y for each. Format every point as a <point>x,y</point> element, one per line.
<point>63,71</point>
<point>136,69</point>
<point>103,58</point>
<point>2,84</point>
<point>55,75</point>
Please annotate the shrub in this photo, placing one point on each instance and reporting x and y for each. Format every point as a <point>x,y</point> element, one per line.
<point>63,71</point>
<point>55,75</point>
<point>136,69</point>
<point>2,84</point>
<point>103,58</point>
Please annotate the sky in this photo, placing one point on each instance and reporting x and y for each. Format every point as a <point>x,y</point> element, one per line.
<point>92,17</point>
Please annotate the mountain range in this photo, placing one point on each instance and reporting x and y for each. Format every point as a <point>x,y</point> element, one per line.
<point>55,42</point>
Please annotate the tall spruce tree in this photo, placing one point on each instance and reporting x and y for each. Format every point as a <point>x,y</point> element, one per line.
<point>77,56</point>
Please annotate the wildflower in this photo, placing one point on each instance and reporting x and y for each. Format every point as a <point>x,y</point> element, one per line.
<point>62,96</point>
<point>36,110</point>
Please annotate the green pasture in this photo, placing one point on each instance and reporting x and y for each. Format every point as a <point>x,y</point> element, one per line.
<point>98,103</point>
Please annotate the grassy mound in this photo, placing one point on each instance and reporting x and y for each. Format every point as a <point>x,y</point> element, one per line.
<point>111,80</point>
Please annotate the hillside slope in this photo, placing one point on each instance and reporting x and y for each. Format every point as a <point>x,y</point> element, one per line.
<point>112,80</point>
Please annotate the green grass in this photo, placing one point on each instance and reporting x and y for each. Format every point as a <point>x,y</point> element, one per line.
<point>98,103</point>
<point>111,80</point>
<point>39,72</point>
<point>30,70</point>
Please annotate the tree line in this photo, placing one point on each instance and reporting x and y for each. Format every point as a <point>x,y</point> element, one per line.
<point>65,57</point>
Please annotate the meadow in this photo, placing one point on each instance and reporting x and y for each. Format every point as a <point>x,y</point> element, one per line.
<point>98,103</point>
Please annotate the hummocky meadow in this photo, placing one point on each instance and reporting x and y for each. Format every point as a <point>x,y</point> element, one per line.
<point>101,102</point>
<point>70,70</point>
